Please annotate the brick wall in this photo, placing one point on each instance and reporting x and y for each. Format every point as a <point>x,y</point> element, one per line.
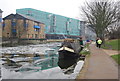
<point>24,32</point>
<point>6,31</point>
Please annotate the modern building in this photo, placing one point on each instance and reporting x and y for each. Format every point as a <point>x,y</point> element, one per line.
<point>56,26</point>
<point>22,27</point>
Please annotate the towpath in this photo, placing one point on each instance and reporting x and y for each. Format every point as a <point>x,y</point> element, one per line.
<point>99,65</point>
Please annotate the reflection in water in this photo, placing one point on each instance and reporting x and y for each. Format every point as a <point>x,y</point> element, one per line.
<point>40,64</point>
<point>47,63</point>
<point>30,62</point>
<point>34,62</point>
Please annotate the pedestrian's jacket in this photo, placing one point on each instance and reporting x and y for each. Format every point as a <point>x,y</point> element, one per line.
<point>99,41</point>
<point>81,42</point>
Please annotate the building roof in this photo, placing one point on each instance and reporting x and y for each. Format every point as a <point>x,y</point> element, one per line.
<point>28,17</point>
<point>1,11</point>
<point>20,16</point>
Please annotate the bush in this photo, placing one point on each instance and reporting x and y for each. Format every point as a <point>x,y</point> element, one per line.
<point>85,51</point>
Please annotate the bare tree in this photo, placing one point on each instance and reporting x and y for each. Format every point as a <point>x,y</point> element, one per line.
<point>100,14</point>
<point>114,29</point>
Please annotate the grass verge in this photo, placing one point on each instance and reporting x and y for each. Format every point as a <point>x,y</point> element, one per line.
<point>112,44</point>
<point>116,58</point>
<point>85,52</point>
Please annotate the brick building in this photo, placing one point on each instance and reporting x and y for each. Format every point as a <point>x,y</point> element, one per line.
<point>22,27</point>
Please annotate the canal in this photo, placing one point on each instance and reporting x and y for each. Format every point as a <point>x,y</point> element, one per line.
<point>33,62</point>
<point>42,57</point>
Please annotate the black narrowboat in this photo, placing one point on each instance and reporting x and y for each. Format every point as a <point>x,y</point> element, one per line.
<point>68,53</point>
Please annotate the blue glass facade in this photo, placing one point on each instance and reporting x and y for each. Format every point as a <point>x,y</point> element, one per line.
<point>54,24</point>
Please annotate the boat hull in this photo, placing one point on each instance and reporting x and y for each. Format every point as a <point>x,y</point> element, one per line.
<point>67,59</point>
<point>68,53</point>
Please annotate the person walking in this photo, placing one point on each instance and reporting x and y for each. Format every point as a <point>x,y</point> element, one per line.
<point>99,42</point>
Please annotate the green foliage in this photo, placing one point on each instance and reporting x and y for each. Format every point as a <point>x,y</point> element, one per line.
<point>87,45</point>
<point>85,51</point>
<point>112,44</point>
<point>116,58</point>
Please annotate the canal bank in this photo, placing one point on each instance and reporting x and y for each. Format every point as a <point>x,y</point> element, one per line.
<point>99,65</point>
<point>16,42</point>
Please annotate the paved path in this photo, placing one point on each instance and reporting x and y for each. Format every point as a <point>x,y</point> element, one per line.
<point>100,65</point>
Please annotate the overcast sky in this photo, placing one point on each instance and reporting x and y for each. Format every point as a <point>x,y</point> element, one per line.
<point>69,8</point>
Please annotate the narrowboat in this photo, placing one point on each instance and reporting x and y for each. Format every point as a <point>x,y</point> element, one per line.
<point>68,53</point>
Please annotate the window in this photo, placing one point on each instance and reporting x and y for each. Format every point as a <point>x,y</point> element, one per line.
<point>3,25</point>
<point>25,23</point>
<point>13,24</point>
<point>14,30</point>
<point>14,34</point>
<point>36,29</point>
<point>14,20</point>
<point>36,26</point>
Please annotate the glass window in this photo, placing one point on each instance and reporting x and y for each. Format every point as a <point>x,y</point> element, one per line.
<point>14,30</point>
<point>14,34</point>
<point>14,20</point>
<point>26,23</point>
<point>13,24</point>
<point>3,25</point>
<point>36,29</point>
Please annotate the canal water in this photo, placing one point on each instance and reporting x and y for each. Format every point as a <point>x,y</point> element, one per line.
<point>20,62</point>
<point>33,62</point>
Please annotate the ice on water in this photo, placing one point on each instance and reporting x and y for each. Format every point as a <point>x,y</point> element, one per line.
<point>31,72</point>
<point>53,73</point>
